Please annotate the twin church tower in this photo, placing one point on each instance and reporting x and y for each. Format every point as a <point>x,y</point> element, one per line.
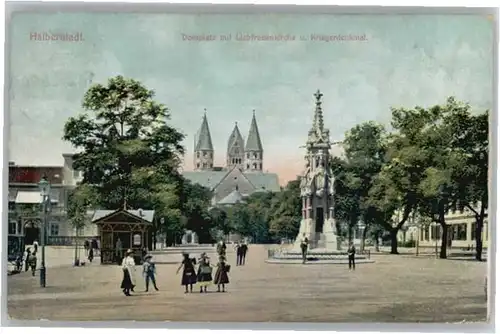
<point>247,157</point>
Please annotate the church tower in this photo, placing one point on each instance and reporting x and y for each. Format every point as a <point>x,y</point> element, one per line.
<point>203,148</point>
<point>317,187</point>
<point>254,152</point>
<point>235,149</point>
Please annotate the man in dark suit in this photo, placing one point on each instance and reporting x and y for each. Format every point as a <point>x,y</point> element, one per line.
<point>243,250</point>
<point>351,252</point>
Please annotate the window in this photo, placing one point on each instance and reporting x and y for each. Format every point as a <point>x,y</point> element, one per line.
<point>76,174</point>
<point>211,165</point>
<point>198,155</point>
<point>197,165</point>
<point>459,232</point>
<point>12,227</point>
<point>260,166</point>
<point>54,229</point>
<point>435,232</point>
<point>204,154</point>
<point>248,155</point>
<point>254,166</point>
<point>256,156</point>
<point>426,235</point>
<point>248,166</point>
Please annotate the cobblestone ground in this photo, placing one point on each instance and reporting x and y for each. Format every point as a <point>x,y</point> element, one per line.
<point>394,289</point>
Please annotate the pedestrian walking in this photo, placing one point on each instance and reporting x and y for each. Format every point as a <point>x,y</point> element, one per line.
<point>86,246</point>
<point>35,247</point>
<point>32,262</point>
<point>188,272</point>
<point>237,248</point>
<point>149,271</point>
<point>351,253</point>
<point>91,255</point>
<point>26,256</point>
<point>304,244</point>
<point>204,275</point>
<point>128,267</point>
<point>244,250</point>
<point>221,248</point>
<point>221,277</point>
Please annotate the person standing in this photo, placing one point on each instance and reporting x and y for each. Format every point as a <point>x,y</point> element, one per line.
<point>237,248</point>
<point>119,250</point>
<point>221,275</point>
<point>26,257</point>
<point>221,248</point>
<point>86,246</point>
<point>91,255</point>
<point>93,245</point>
<point>351,253</point>
<point>32,262</point>
<point>244,250</point>
<point>149,271</point>
<point>188,272</point>
<point>128,267</point>
<point>204,275</point>
<point>35,247</point>
<point>304,244</point>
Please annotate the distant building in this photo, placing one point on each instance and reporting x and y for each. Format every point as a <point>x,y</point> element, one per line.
<point>24,222</point>
<point>242,174</point>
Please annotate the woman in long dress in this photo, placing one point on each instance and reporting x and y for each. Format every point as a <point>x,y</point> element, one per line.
<point>188,272</point>
<point>204,273</point>
<point>221,278</point>
<point>128,267</point>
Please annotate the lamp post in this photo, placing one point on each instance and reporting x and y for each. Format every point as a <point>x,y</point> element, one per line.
<point>44,187</point>
<point>361,227</point>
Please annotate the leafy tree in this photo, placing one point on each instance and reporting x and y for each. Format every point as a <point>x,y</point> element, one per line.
<point>80,201</point>
<point>195,210</point>
<point>285,211</point>
<point>122,132</point>
<point>365,150</point>
<point>469,140</point>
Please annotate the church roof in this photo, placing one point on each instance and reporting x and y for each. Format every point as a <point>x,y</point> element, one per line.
<point>235,139</point>
<point>204,139</point>
<point>260,180</point>
<point>253,141</point>
<point>234,197</point>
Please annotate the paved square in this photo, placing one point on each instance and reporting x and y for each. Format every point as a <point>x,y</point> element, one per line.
<point>394,289</point>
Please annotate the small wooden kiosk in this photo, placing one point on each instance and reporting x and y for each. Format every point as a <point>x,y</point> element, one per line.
<point>120,230</point>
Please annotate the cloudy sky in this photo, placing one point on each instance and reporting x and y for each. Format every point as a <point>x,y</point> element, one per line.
<point>404,61</point>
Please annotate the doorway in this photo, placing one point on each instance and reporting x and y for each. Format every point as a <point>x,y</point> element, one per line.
<point>320,220</point>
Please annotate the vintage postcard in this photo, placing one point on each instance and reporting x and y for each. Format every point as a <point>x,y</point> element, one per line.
<point>249,167</point>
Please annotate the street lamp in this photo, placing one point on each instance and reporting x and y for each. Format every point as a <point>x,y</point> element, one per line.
<point>361,227</point>
<point>44,187</point>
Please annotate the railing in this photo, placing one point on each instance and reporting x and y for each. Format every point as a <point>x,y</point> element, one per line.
<point>66,241</point>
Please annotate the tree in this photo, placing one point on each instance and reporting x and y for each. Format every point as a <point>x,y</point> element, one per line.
<point>195,210</point>
<point>80,201</point>
<point>123,132</point>
<point>285,211</point>
<point>469,139</point>
<point>365,151</point>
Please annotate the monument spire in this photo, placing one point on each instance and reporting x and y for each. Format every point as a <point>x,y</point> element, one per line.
<point>318,124</point>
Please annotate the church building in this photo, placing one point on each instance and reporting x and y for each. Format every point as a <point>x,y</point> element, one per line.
<point>242,174</point>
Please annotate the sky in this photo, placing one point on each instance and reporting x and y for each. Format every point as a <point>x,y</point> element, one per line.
<point>396,61</point>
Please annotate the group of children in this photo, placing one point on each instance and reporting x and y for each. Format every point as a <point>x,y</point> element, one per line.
<point>203,276</point>
<point>190,275</point>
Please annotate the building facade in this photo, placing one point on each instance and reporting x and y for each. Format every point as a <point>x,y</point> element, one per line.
<point>461,231</point>
<point>25,217</point>
<point>242,173</point>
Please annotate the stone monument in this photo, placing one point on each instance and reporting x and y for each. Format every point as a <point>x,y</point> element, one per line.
<point>318,213</point>
<point>317,188</point>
